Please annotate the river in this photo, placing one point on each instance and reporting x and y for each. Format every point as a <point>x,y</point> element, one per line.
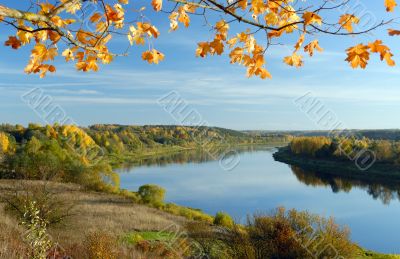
<point>259,184</point>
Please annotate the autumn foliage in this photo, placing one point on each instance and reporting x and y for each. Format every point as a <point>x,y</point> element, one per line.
<point>54,28</point>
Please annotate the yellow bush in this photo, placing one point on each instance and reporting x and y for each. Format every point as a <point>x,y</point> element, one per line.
<point>4,142</point>
<point>100,245</point>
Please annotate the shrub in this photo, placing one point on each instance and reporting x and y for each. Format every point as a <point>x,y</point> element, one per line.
<point>223,219</point>
<point>152,194</point>
<point>279,235</point>
<point>51,208</point>
<point>100,245</point>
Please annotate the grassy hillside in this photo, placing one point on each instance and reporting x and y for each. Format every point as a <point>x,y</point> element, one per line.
<point>92,212</point>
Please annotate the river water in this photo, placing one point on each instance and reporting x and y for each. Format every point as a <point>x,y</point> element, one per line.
<point>259,184</point>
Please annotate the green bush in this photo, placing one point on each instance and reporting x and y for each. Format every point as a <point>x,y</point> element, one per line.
<point>223,219</point>
<point>152,194</point>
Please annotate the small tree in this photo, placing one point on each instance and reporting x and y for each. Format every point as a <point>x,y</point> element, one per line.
<point>36,235</point>
<point>152,194</point>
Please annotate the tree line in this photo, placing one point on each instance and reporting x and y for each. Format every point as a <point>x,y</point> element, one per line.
<point>385,151</point>
<point>86,155</point>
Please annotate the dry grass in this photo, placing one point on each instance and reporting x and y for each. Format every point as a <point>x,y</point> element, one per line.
<point>92,212</point>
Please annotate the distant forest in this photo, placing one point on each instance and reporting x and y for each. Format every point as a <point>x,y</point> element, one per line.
<point>87,155</point>
<point>388,134</point>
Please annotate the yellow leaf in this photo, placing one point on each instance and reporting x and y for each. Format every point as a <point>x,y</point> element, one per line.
<point>388,58</point>
<point>157,5</point>
<point>299,42</point>
<point>311,18</point>
<point>383,50</point>
<point>311,46</point>
<point>96,17</point>
<point>232,41</point>
<point>295,60</point>
<point>217,46</point>
<point>358,56</point>
<point>203,49</point>
<point>242,4</point>
<point>123,1</point>
<point>390,5</point>
<point>173,21</point>
<point>184,18</point>
<point>272,18</point>
<point>68,54</point>
<point>236,55</point>
<point>258,71</point>
<point>258,7</point>
<point>72,8</point>
<point>347,20</point>
<point>152,56</point>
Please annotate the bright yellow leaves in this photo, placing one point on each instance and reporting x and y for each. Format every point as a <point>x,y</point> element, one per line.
<point>68,54</point>
<point>311,18</point>
<point>157,5</point>
<point>358,56</point>
<point>23,34</point>
<point>299,42</point>
<point>384,51</point>
<point>347,21</point>
<point>40,54</point>
<point>247,52</point>
<point>294,60</point>
<point>181,16</point>
<point>258,7</point>
<point>115,15</point>
<point>311,46</point>
<point>267,21</point>
<point>137,34</point>
<point>217,45</point>
<point>4,142</point>
<point>72,6</point>
<point>77,136</point>
<point>390,5</point>
<point>152,56</point>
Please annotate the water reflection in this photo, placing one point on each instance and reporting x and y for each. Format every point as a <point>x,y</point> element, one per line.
<point>385,191</point>
<point>194,156</point>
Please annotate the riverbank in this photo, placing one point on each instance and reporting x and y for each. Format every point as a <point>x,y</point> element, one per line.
<point>380,172</point>
<point>106,217</point>
<point>151,153</point>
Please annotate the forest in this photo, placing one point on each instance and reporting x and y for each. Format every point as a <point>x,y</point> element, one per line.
<point>88,155</point>
<point>345,148</point>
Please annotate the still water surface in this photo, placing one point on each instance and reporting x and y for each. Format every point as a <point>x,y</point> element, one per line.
<point>259,184</point>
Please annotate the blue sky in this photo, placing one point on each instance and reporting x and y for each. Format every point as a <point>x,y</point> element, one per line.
<point>127,90</point>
